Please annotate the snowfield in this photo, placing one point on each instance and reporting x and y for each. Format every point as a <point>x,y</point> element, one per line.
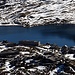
<point>37,12</point>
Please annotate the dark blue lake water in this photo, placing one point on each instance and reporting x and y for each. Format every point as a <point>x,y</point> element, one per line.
<point>59,35</point>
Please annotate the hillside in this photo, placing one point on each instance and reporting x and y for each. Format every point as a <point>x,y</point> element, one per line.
<point>36,12</point>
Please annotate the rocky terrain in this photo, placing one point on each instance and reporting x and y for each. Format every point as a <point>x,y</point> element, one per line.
<point>36,12</point>
<point>34,58</point>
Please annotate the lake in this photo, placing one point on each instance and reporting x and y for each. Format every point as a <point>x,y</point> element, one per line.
<point>54,34</point>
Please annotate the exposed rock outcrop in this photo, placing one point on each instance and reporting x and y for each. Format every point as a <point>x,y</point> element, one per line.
<point>43,59</point>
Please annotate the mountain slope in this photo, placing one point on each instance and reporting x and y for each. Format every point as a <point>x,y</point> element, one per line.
<point>36,12</point>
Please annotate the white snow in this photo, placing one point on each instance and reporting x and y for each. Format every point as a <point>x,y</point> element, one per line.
<point>23,47</point>
<point>47,46</point>
<point>28,61</point>
<point>41,67</point>
<point>70,56</point>
<point>2,48</point>
<point>7,65</point>
<point>40,48</point>
<point>32,69</point>
<point>72,69</point>
<point>22,52</point>
<point>54,71</point>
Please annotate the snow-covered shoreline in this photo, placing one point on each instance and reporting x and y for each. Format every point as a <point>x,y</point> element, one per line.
<point>9,25</point>
<point>37,12</point>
